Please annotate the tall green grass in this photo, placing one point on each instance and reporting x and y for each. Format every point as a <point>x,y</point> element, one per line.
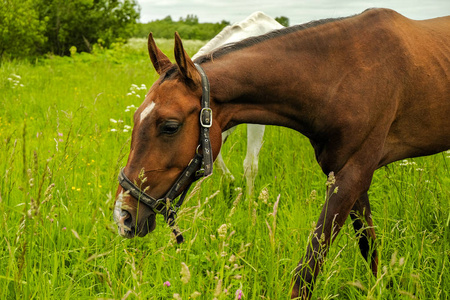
<point>64,137</point>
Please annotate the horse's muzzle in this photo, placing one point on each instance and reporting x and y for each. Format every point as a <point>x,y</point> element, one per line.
<point>123,219</point>
<point>128,226</point>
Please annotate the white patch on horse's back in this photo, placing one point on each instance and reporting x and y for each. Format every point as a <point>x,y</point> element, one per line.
<point>147,111</point>
<point>256,24</point>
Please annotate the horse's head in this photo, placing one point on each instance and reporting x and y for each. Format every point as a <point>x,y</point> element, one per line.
<point>165,139</point>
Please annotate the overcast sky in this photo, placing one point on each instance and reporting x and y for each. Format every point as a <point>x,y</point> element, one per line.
<point>298,11</point>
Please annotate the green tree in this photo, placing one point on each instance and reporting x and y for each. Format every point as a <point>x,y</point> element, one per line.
<point>190,20</point>
<point>81,23</point>
<point>283,21</point>
<point>21,30</point>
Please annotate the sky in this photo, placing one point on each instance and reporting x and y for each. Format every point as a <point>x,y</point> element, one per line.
<point>298,11</point>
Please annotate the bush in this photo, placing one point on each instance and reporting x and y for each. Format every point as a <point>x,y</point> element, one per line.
<point>31,27</point>
<point>21,29</point>
<point>81,23</point>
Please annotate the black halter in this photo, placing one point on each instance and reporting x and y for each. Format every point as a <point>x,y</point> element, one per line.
<point>200,166</point>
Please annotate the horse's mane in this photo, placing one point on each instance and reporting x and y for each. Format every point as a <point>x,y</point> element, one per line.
<point>228,48</point>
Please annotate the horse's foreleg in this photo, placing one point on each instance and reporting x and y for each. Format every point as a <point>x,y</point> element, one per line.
<point>365,232</point>
<point>342,195</point>
<point>255,134</point>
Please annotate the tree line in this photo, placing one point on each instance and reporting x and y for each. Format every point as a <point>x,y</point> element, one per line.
<point>188,28</point>
<point>31,28</point>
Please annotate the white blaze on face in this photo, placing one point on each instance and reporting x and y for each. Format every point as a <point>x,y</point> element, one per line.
<point>118,208</point>
<point>119,217</point>
<point>147,111</point>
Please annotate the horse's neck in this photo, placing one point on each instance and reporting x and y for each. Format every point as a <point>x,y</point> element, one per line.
<point>261,85</point>
<point>291,78</point>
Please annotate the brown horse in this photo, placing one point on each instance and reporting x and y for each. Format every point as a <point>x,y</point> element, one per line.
<point>366,90</point>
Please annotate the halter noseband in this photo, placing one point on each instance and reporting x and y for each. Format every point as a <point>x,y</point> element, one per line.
<point>200,166</point>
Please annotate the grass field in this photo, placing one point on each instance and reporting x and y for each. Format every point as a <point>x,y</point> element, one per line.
<point>64,133</point>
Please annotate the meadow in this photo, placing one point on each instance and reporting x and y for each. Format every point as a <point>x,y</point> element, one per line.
<point>65,127</point>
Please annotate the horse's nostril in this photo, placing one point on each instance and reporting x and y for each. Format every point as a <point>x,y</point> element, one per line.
<point>127,219</point>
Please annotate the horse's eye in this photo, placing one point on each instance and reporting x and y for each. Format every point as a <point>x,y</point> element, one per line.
<point>170,127</point>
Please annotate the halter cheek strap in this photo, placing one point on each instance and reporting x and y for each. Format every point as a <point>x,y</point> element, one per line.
<point>205,123</point>
<point>200,166</point>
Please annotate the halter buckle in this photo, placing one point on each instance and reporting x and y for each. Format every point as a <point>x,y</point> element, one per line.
<point>160,206</point>
<point>200,173</point>
<point>206,117</point>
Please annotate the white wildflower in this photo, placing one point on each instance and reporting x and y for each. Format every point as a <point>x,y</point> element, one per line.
<point>331,179</point>
<point>222,231</point>
<point>185,274</point>
<point>218,289</point>
<point>264,195</point>
<point>177,297</point>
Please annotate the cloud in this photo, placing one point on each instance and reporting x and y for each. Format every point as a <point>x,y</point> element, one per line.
<point>298,11</point>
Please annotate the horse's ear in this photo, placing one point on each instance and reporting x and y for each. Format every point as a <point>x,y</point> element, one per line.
<point>184,62</point>
<point>160,61</point>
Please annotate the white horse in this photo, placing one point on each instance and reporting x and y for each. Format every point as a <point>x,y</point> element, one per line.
<point>256,24</point>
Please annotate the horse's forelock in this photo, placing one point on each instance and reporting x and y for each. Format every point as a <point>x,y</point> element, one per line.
<point>169,74</point>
